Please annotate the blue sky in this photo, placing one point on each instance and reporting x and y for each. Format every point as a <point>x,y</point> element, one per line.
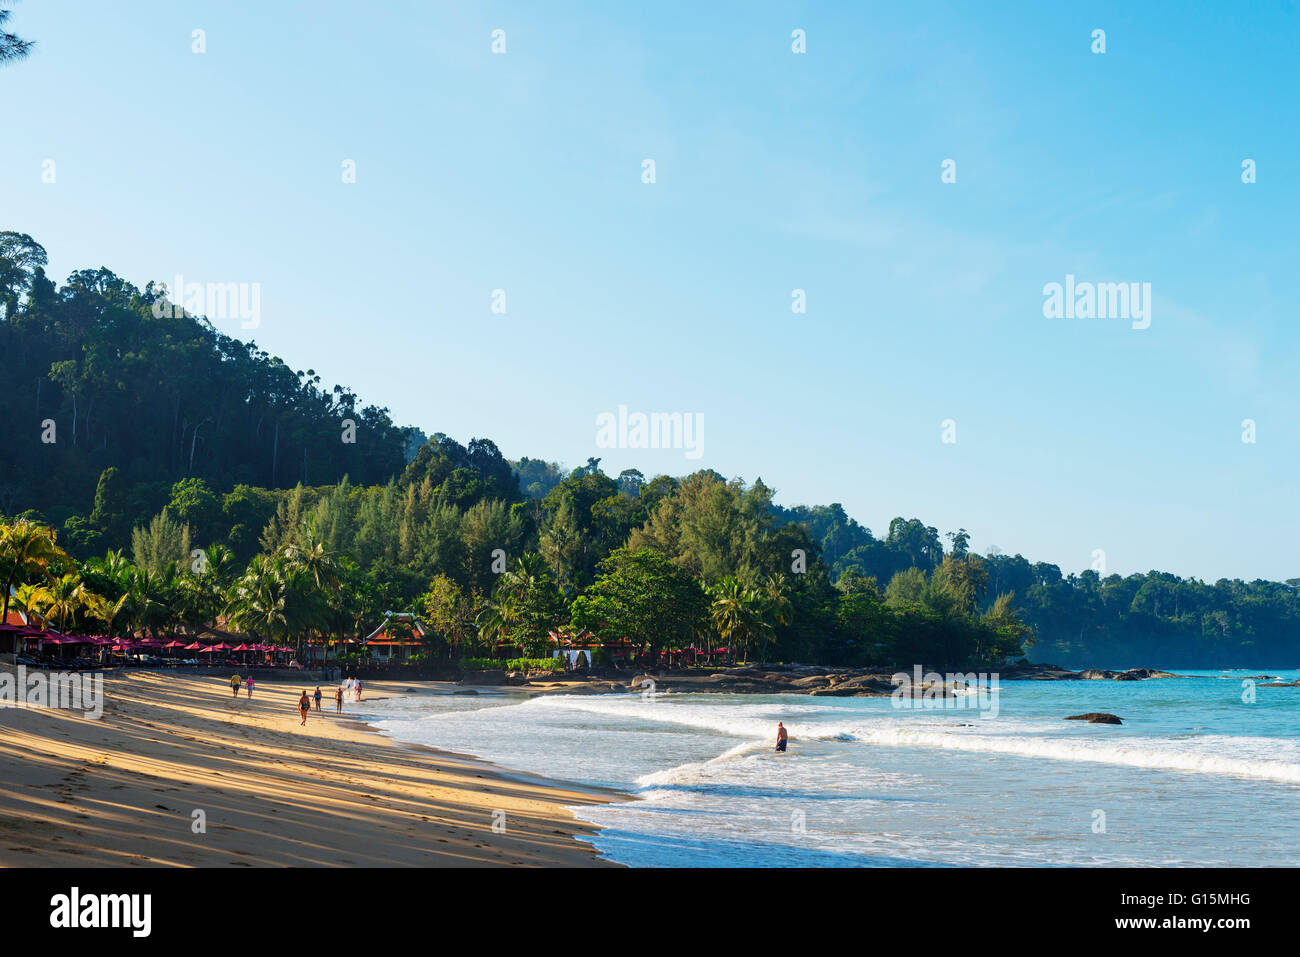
<point>774,171</point>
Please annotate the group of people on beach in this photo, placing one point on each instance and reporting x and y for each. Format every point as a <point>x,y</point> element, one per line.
<point>351,685</point>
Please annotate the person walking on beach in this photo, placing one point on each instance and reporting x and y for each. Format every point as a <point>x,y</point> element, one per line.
<point>358,689</point>
<point>235,684</point>
<point>317,697</point>
<point>249,684</point>
<point>781,736</point>
<point>304,707</point>
<point>338,700</point>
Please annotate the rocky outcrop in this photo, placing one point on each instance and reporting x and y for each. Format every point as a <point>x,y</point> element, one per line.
<point>1142,674</point>
<point>1096,717</point>
<point>1024,671</point>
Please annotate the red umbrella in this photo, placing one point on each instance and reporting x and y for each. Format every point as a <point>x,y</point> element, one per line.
<point>195,646</point>
<point>174,644</point>
<point>242,647</point>
<point>219,646</point>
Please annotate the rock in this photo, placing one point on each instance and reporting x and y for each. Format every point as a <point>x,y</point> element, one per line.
<point>1024,671</point>
<point>491,677</point>
<point>875,684</point>
<point>1141,674</point>
<point>516,678</point>
<point>1095,717</point>
<point>813,681</point>
<point>466,691</point>
<point>1091,674</point>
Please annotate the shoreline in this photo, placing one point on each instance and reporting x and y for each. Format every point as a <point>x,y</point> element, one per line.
<point>178,773</point>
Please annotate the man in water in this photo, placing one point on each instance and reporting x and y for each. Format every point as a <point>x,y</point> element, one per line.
<point>780,736</point>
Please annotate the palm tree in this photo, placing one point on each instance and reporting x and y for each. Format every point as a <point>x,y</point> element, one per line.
<point>498,617</point>
<point>736,613</point>
<point>776,595</point>
<point>313,571</point>
<point>65,596</point>
<point>258,601</point>
<point>143,603</point>
<point>27,551</point>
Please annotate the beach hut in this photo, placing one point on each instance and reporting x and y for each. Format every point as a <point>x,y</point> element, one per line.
<point>400,636</point>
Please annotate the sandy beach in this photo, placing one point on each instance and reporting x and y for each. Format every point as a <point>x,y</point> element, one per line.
<point>123,789</point>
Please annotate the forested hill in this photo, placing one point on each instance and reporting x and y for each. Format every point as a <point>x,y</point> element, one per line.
<point>159,397</point>
<point>143,429</point>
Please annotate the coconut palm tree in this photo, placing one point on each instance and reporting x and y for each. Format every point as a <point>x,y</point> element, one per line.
<point>259,600</point>
<point>737,614</point>
<point>62,598</point>
<point>313,571</point>
<point>27,551</point>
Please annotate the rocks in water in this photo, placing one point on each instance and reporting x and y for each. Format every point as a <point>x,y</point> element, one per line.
<point>516,678</point>
<point>466,691</point>
<point>1024,671</point>
<point>1096,717</point>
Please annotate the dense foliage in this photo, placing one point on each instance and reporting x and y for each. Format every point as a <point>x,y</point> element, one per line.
<point>161,475</point>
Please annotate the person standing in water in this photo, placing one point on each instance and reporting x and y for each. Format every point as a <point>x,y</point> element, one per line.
<point>781,736</point>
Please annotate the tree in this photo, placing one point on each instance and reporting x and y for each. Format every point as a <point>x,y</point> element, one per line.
<point>642,597</point>
<point>449,613</point>
<point>20,255</point>
<point>737,614</point>
<point>12,48</point>
<point>27,552</point>
<point>62,599</point>
<point>164,541</point>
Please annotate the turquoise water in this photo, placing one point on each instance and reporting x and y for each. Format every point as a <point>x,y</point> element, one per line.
<point>1196,776</point>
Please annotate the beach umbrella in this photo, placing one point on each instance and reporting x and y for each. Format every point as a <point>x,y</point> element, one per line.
<point>174,644</point>
<point>196,646</point>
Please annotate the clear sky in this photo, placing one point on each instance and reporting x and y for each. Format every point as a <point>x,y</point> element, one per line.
<point>774,171</point>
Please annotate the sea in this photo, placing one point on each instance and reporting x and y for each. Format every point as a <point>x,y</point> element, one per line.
<point>1204,771</point>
